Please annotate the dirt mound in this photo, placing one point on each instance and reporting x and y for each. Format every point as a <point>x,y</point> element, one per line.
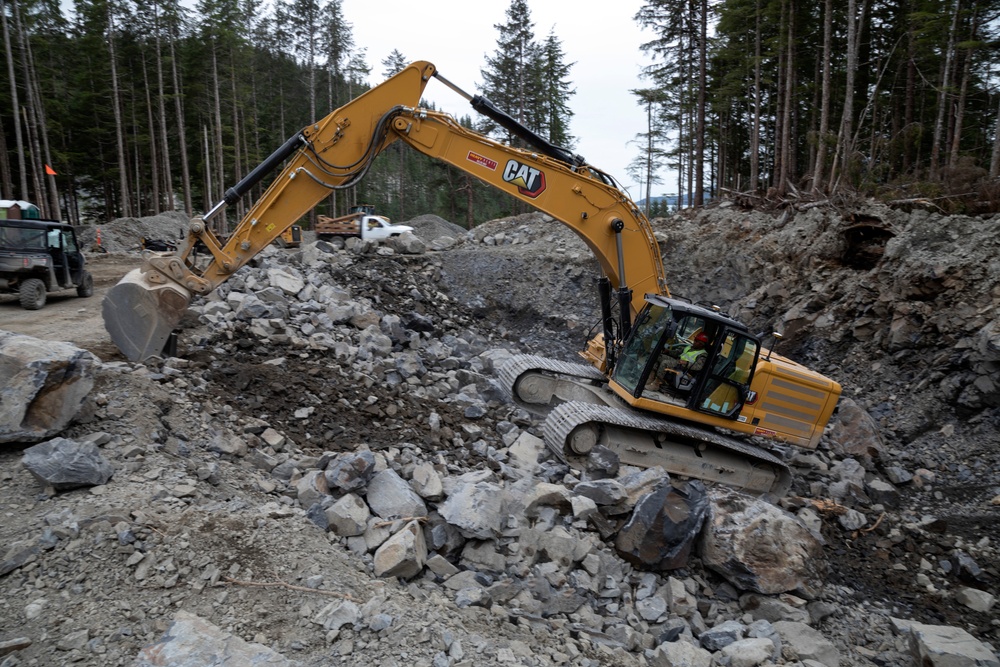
<point>124,234</point>
<point>430,227</point>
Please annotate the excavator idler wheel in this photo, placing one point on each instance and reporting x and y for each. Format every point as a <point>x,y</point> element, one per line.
<point>140,315</point>
<point>583,439</point>
<point>534,390</point>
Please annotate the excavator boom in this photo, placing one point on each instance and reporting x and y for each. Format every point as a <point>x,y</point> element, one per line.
<point>336,152</point>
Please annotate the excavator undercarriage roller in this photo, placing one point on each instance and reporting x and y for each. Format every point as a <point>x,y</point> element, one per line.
<point>573,430</point>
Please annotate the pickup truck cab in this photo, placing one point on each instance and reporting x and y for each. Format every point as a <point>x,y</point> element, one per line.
<point>361,221</point>
<point>377,227</point>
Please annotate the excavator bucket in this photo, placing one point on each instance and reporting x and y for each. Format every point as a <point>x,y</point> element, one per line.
<point>140,313</point>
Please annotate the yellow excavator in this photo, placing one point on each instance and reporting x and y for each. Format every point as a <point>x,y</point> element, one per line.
<point>667,382</point>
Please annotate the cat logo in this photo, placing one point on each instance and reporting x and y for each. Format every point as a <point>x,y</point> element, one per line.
<point>530,182</point>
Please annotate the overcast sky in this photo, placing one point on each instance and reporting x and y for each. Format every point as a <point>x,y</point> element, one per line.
<point>601,39</point>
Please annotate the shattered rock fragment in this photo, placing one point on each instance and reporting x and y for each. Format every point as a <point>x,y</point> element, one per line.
<point>11,645</point>
<point>941,645</point>
<point>475,509</point>
<point>808,643</point>
<point>348,516</point>
<point>350,471</point>
<point>17,554</point>
<point>191,640</point>
<point>390,497</point>
<point>402,555</point>
<point>64,464</point>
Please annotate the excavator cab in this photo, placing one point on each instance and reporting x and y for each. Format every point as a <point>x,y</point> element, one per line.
<point>683,355</point>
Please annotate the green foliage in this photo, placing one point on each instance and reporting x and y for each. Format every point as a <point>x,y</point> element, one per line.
<point>246,79</point>
<point>247,75</point>
<point>528,80</point>
<point>915,57</point>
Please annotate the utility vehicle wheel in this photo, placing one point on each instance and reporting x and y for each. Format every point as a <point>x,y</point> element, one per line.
<point>32,294</point>
<point>86,286</point>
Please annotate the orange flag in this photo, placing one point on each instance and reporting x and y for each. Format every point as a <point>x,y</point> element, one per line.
<point>50,171</point>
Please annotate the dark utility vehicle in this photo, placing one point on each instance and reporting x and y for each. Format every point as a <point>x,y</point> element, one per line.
<point>41,256</point>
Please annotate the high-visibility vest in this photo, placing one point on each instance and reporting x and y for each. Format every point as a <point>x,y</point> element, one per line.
<point>690,355</point>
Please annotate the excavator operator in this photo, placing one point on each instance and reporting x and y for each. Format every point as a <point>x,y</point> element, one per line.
<point>693,357</point>
<point>679,372</point>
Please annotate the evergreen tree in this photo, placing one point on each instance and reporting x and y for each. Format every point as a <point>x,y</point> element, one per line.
<point>140,109</point>
<point>675,50</point>
<point>336,42</point>
<point>511,78</point>
<point>556,91</point>
<point>646,166</point>
<point>528,81</point>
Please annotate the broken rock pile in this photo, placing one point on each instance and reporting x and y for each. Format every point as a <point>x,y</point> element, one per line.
<point>331,474</point>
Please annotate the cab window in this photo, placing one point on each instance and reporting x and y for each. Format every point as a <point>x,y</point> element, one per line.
<point>687,328</point>
<point>641,346</point>
<point>729,379</point>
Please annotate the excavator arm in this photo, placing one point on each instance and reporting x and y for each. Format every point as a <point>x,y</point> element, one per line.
<point>336,152</point>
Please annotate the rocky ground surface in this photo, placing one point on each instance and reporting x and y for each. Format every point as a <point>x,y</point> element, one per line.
<point>247,506</point>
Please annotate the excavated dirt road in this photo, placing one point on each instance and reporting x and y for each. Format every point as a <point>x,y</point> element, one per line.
<point>67,317</point>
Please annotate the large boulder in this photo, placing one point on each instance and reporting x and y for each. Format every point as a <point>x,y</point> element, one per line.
<point>43,385</point>
<point>663,526</point>
<point>855,433</point>
<point>759,547</point>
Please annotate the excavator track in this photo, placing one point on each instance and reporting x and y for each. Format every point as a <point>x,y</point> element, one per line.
<point>537,383</point>
<point>582,414</point>
<point>573,429</point>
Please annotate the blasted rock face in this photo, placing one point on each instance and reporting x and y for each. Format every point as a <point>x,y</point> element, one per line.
<point>759,547</point>
<point>43,385</point>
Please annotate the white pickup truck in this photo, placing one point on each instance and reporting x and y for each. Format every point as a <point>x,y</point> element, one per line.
<point>361,221</point>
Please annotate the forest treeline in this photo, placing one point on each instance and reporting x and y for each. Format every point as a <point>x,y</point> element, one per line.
<point>127,108</point>
<point>894,99</point>
<point>124,108</point>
